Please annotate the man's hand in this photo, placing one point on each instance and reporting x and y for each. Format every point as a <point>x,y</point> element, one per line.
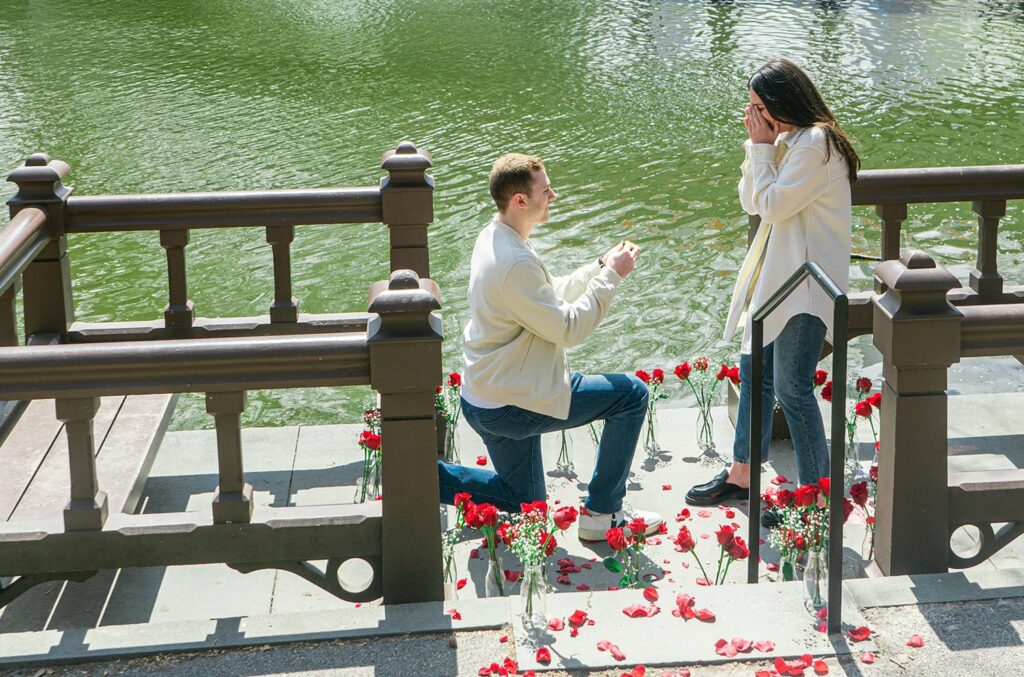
<point>622,257</point>
<point>760,129</point>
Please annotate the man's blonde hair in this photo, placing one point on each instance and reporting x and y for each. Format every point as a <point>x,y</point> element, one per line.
<point>512,174</point>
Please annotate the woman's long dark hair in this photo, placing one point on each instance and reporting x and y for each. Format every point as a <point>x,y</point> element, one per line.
<point>790,97</point>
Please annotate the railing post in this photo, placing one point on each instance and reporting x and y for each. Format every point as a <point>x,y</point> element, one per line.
<point>47,280</point>
<point>233,500</point>
<point>893,216</point>
<point>407,202</point>
<point>179,312</point>
<point>985,278</point>
<point>285,307</point>
<point>9,314</point>
<point>918,334</point>
<point>404,340</point>
<point>87,508</point>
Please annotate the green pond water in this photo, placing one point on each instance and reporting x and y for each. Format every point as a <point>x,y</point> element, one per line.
<point>635,105</point>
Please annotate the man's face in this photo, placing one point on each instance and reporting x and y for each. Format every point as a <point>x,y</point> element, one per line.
<point>541,196</point>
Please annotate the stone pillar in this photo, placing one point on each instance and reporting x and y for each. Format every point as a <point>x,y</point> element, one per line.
<point>285,307</point>
<point>404,340</point>
<point>87,508</point>
<point>407,202</point>
<point>233,500</point>
<point>47,280</point>
<point>892,217</point>
<point>985,278</point>
<point>918,333</point>
<point>180,310</point>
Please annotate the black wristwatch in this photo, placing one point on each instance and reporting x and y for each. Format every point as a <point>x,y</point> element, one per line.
<point>600,261</point>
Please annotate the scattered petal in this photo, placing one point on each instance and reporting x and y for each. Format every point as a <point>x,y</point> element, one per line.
<point>666,487</point>
<point>860,634</point>
<point>822,627</point>
<point>823,613</point>
<point>583,586</point>
<point>704,513</point>
<point>742,645</point>
<point>474,554</point>
<point>556,624</point>
<point>503,639</point>
<point>820,668</point>
<point>771,566</point>
<point>543,655</point>
<point>729,514</point>
<point>651,594</point>
<point>705,615</point>
<point>578,618</point>
<point>586,565</point>
<point>724,648</point>
<point>454,613</point>
<point>703,581</point>
<point>574,631</point>
<point>779,479</point>
<point>460,584</point>
<point>662,529</point>
<point>684,514</point>
<point>603,645</point>
<point>616,652</point>
<point>481,460</point>
<point>915,641</point>
<point>641,610</point>
<point>867,657</point>
<point>705,536</point>
<point>765,645</point>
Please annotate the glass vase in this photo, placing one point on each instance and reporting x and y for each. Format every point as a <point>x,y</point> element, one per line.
<point>705,429</point>
<point>494,584</point>
<point>564,463</point>
<point>451,443</point>
<point>533,595</point>
<point>368,485</point>
<point>786,571</point>
<point>852,470</point>
<point>816,580</point>
<point>650,438</point>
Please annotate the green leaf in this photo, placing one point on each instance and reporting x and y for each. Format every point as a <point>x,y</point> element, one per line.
<point>613,565</point>
<point>625,582</point>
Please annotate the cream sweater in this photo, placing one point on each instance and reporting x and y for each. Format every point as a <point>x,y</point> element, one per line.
<point>521,319</point>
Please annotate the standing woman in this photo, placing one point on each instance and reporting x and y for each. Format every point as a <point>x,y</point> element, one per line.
<point>797,174</point>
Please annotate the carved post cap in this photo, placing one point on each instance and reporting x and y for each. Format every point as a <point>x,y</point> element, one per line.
<point>403,303</point>
<point>407,166</point>
<point>917,274</point>
<point>39,181</point>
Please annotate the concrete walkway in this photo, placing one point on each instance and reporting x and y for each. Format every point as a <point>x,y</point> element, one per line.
<point>179,609</point>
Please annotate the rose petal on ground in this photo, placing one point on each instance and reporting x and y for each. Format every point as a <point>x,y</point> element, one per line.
<point>651,594</point>
<point>574,631</point>
<point>637,671</point>
<point>481,460</point>
<point>860,634</point>
<point>765,645</point>
<point>867,657</point>
<point>454,613</point>
<point>653,540</point>
<point>703,581</point>
<point>763,673</point>
<point>820,668</point>
<point>822,627</point>
<point>529,673</point>
<point>474,554</point>
<point>556,624</point>
<point>704,513</point>
<point>742,645</point>
<point>503,639</point>
<point>513,576</point>
<point>806,660</point>
<point>603,645</point>
<point>915,641</point>
<point>563,580</point>
<point>666,487</point>
<point>705,615</point>
<point>729,514</point>
<point>460,584</point>
<point>685,565</point>
<point>779,479</point>
<point>577,618</point>
<point>641,610</point>
<point>705,536</point>
<point>823,613</point>
<point>662,529</point>
<point>683,514</point>
<point>724,648</point>
<point>771,566</point>
<point>616,652</point>
<point>583,586</point>
<point>585,565</point>
<point>543,655</point>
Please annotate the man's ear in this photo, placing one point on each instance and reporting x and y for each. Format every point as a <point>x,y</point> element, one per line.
<point>519,200</point>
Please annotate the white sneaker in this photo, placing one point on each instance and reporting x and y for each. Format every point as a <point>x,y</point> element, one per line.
<point>593,525</point>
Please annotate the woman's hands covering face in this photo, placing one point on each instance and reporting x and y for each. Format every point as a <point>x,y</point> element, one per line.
<point>760,127</point>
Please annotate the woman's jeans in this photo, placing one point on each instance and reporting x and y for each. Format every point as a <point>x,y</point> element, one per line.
<point>512,437</point>
<point>789,365</point>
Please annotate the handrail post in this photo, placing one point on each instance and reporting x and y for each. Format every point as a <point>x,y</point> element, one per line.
<point>46,282</point>
<point>756,406</point>
<point>893,216</point>
<point>837,465</point>
<point>9,314</point>
<point>404,340</point>
<point>918,333</point>
<point>285,307</point>
<point>985,278</point>
<point>180,310</point>
<point>87,508</point>
<point>233,500</point>
<point>407,203</point>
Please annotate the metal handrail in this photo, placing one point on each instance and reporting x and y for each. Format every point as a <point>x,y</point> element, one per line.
<point>938,184</point>
<point>838,451</point>
<point>21,240</point>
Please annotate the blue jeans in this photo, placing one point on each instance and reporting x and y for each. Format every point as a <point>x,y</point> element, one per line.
<point>512,437</point>
<point>789,365</point>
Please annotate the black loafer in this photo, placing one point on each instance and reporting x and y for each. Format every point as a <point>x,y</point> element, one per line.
<point>715,491</point>
<point>770,518</point>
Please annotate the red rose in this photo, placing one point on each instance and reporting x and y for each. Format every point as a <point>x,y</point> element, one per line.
<point>504,533</point>
<point>826,392</point>
<point>684,540</point>
<point>824,483</point>
<point>859,493</point>
<point>875,400</point>
<point>847,509</point>
<point>565,516</point>
<point>734,375</point>
<point>548,541</point>
<point>438,389</point>
<point>369,439</point>
<point>737,548</point>
<point>700,363</point>
<point>683,370</point>
<point>784,497</point>
<point>454,379</point>
<point>873,474</point>
<point>643,376</point>
<point>799,543</point>
<point>658,375</point>
<point>473,519</point>
<point>725,534</point>
<point>723,371</point>
<point>616,539</point>
<point>863,384</point>
<point>863,408</point>
<point>461,498</point>
<point>820,377</point>
<point>638,526</point>
<point>807,495</point>
<point>488,514</point>
<point>535,506</point>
